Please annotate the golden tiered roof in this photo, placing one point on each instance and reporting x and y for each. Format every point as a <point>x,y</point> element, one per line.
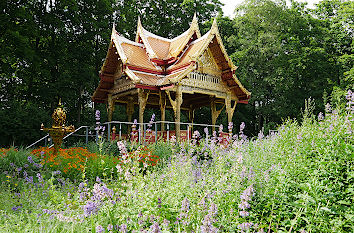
<point>154,62</point>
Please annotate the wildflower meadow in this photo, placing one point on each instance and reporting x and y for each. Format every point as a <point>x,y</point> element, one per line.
<point>299,178</point>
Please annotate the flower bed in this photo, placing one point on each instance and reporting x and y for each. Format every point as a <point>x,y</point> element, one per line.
<point>74,161</point>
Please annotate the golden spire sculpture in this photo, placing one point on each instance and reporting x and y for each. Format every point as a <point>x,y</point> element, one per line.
<point>58,130</point>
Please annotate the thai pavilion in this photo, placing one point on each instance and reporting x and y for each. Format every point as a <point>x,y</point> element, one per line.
<point>183,73</point>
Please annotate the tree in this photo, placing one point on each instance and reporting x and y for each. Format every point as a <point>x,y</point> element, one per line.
<point>281,59</point>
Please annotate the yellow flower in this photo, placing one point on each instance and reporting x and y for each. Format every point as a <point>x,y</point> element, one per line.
<point>8,177</point>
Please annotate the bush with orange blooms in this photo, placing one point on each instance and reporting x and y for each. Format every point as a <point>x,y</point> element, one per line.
<point>71,160</point>
<point>79,162</point>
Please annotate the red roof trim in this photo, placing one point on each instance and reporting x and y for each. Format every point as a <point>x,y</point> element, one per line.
<point>243,101</point>
<point>144,70</point>
<point>162,62</point>
<point>179,68</point>
<point>146,87</point>
<point>167,87</point>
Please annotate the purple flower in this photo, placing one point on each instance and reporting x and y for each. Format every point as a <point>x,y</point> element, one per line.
<point>82,185</point>
<point>37,165</point>
<point>15,208</point>
<point>56,172</point>
<point>29,179</point>
<point>244,213</point>
<point>159,202</point>
<point>185,205</point>
<point>166,222</point>
<point>221,127</point>
<point>42,153</point>
<point>122,149</point>
<point>202,202</point>
<point>98,115</point>
<point>155,227</point>
<point>90,208</point>
<point>206,131</point>
<point>320,116</point>
<point>123,228</point>
<point>98,180</point>
<point>110,227</point>
<point>196,134</point>
<point>328,107</point>
<point>151,120</point>
<point>349,95</point>
<point>140,214</point>
<point>213,209</point>
<point>207,224</point>
<point>26,165</point>
<point>230,126</point>
<point>242,126</point>
<point>99,229</point>
<point>244,205</point>
<point>245,226</point>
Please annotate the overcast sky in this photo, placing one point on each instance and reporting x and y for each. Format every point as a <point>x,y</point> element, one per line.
<point>230,5</point>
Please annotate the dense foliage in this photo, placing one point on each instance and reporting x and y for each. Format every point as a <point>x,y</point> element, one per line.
<point>54,49</point>
<point>298,179</point>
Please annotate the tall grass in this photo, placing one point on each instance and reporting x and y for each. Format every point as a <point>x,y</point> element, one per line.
<point>299,179</point>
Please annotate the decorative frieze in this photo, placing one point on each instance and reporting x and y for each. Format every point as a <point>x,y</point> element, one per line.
<point>197,82</point>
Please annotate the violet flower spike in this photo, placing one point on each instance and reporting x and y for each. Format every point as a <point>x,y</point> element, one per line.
<point>98,115</point>
<point>242,126</point>
<point>230,126</point>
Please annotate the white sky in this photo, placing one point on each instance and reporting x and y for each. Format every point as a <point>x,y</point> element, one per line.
<point>230,5</point>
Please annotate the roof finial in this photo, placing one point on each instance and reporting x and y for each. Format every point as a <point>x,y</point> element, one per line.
<point>214,23</point>
<point>194,17</point>
<point>114,26</point>
<point>139,22</point>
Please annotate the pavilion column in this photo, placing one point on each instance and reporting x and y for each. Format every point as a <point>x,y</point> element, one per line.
<point>110,107</point>
<point>130,111</point>
<point>176,105</point>
<point>162,109</point>
<point>229,108</point>
<point>142,98</point>
<point>191,116</point>
<point>214,112</point>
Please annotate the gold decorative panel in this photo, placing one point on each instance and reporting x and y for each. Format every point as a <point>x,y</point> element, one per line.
<point>207,64</point>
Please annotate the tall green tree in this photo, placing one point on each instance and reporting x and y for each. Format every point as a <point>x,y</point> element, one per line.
<point>281,57</point>
<point>337,17</point>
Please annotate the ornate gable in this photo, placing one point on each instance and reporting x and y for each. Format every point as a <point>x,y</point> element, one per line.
<point>207,64</point>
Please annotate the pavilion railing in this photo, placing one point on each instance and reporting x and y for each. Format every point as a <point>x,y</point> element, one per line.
<point>154,130</point>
